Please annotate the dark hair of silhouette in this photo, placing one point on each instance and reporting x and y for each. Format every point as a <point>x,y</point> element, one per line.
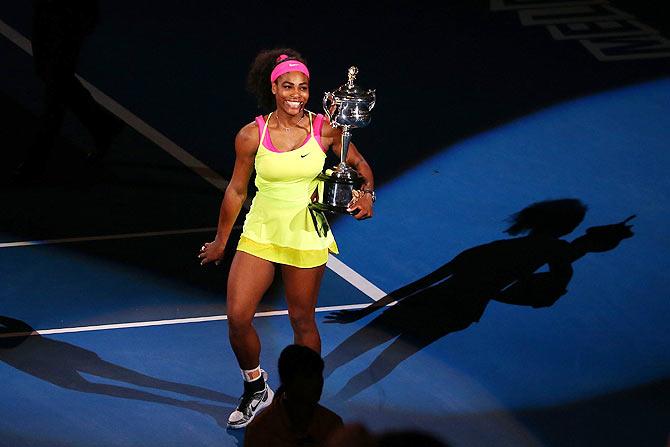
<point>258,78</point>
<point>550,217</point>
<point>298,361</point>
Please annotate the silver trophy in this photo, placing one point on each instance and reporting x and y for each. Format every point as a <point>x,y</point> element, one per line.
<point>347,107</point>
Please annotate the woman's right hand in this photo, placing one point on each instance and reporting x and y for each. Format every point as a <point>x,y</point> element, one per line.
<point>211,252</point>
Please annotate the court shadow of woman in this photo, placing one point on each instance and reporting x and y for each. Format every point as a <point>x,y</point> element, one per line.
<point>63,364</point>
<point>455,295</point>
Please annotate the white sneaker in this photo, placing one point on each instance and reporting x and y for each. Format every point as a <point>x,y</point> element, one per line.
<point>250,405</point>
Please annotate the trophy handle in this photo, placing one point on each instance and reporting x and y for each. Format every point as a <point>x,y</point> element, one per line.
<point>374,99</point>
<point>326,107</point>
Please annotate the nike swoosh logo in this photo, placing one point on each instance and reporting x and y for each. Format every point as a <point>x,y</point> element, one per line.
<point>303,156</point>
<point>293,65</point>
<point>253,407</point>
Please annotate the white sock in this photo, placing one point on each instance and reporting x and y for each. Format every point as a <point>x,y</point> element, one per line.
<point>247,374</point>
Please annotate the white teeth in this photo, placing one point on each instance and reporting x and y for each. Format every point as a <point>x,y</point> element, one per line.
<point>293,103</point>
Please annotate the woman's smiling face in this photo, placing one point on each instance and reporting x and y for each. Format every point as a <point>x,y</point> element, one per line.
<point>291,92</point>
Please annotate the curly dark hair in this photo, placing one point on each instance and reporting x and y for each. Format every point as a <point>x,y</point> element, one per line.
<point>258,78</point>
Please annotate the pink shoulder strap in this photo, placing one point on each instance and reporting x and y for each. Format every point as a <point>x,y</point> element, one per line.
<point>261,125</point>
<point>316,126</point>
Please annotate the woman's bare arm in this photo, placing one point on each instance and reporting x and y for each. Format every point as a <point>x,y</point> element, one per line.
<point>246,144</point>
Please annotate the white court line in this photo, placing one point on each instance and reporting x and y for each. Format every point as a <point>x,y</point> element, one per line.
<point>103,327</point>
<point>354,278</point>
<point>108,237</point>
<point>187,159</point>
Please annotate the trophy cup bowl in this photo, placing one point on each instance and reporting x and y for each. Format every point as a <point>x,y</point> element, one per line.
<point>347,107</point>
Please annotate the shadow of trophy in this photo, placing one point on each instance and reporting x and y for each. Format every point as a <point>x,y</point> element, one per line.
<point>347,107</point>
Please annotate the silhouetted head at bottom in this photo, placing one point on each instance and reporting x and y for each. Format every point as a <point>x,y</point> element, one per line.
<point>301,375</point>
<point>551,218</point>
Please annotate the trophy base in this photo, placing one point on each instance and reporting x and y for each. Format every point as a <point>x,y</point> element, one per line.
<point>332,209</point>
<point>335,190</point>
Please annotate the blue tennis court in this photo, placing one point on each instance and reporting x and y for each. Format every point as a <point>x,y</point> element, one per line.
<point>112,334</point>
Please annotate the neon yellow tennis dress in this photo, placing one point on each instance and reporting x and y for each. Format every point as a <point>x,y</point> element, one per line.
<point>279,226</point>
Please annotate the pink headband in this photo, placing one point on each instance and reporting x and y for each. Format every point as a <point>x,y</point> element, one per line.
<point>287,65</point>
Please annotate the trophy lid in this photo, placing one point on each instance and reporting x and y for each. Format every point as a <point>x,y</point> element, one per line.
<point>351,90</point>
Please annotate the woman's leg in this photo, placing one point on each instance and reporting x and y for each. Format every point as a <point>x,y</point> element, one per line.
<point>248,280</point>
<point>302,290</point>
